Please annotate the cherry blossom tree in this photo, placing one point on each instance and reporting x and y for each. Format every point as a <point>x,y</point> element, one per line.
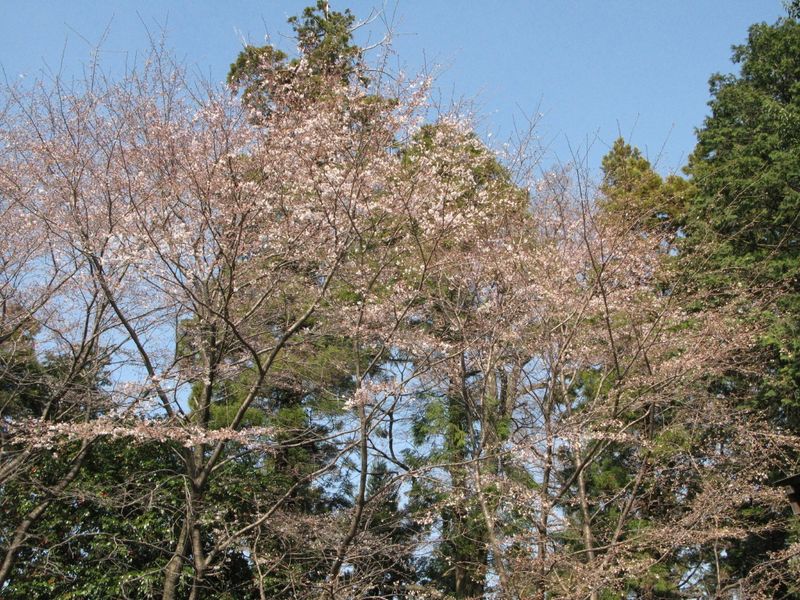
<point>302,339</point>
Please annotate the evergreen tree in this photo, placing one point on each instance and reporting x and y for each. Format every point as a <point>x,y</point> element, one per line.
<point>743,232</point>
<point>743,221</point>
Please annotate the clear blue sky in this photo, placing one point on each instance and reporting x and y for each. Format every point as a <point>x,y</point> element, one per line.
<point>593,68</point>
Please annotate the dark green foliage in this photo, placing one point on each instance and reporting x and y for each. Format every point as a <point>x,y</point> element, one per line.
<point>107,537</point>
<point>459,563</point>
<point>263,74</point>
<point>245,73</point>
<point>744,221</point>
<point>325,38</point>
<point>632,188</point>
<point>23,392</point>
<point>743,232</point>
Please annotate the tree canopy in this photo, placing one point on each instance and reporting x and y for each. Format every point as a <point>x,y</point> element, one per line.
<point>306,335</point>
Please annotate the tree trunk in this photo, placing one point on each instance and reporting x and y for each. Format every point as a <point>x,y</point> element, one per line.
<point>175,564</point>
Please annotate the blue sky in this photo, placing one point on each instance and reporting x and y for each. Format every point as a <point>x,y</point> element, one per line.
<point>592,68</point>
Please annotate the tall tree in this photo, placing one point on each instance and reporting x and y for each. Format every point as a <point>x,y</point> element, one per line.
<point>746,214</point>
<point>743,232</point>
